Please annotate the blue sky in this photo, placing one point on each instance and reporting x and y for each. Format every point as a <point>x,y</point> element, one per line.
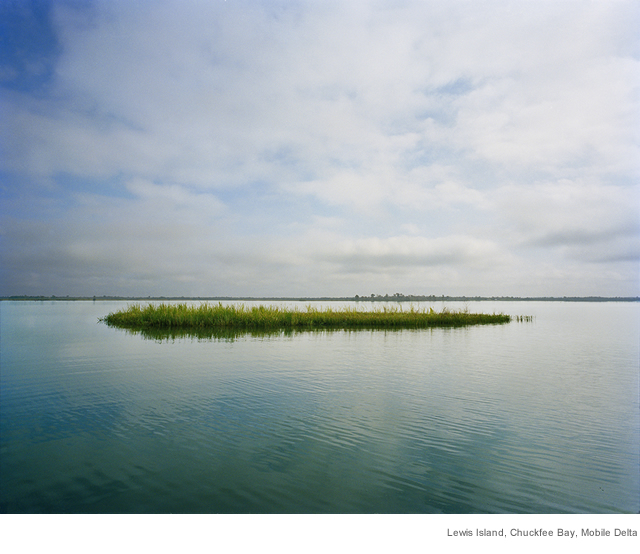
<point>265,148</point>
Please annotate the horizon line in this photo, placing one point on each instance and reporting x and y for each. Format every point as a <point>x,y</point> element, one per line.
<point>373,298</point>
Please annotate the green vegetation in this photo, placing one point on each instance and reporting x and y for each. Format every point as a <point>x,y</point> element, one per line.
<point>241,317</point>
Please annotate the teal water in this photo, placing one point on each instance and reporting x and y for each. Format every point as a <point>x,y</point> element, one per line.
<point>533,417</point>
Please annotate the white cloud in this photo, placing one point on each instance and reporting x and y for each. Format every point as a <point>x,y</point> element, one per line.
<point>289,146</point>
<point>412,250</point>
<point>570,212</point>
<point>175,199</point>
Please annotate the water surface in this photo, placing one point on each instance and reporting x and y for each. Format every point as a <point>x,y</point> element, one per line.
<point>533,417</point>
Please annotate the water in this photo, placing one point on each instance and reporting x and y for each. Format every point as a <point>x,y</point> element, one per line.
<point>533,417</point>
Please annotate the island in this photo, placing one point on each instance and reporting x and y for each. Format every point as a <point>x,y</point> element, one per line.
<point>208,316</point>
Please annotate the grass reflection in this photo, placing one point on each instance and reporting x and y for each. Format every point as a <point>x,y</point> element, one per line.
<point>216,335</point>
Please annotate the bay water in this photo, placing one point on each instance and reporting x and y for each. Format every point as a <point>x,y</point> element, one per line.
<point>539,416</point>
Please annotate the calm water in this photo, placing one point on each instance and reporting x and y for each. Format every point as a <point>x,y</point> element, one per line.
<point>537,417</point>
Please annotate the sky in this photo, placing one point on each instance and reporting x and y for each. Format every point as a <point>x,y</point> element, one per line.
<point>319,148</point>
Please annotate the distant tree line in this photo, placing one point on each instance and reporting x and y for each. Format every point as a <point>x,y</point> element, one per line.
<point>396,297</point>
<point>399,297</point>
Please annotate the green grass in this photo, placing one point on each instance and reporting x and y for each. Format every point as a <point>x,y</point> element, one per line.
<point>240,317</point>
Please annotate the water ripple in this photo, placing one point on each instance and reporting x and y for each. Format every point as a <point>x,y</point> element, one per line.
<point>540,417</point>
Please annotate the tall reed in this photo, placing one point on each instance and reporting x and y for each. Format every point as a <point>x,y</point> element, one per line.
<point>212,316</point>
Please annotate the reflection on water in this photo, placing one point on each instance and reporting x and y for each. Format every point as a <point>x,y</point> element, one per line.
<point>535,417</point>
<point>224,335</point>
<point>232,335</point>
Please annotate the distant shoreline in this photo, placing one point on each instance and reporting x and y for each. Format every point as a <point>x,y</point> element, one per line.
<point>377,298</point>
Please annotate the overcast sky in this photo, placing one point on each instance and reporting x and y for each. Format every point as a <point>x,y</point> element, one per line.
<point>312,148</point>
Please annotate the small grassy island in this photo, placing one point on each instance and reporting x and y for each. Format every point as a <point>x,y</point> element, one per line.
<point>240,317</point>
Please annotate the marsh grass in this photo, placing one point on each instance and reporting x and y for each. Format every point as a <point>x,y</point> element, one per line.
<point>240,317</point>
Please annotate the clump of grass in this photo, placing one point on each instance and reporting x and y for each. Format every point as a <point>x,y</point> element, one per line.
<point>523,318</point>
<point>241,317</point>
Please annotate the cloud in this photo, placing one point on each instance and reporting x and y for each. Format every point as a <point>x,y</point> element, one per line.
<point>174,200</point>
<point>230,87</point>
<point>411,251</point>
<point>306,147</point>
<point>570,213</point>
